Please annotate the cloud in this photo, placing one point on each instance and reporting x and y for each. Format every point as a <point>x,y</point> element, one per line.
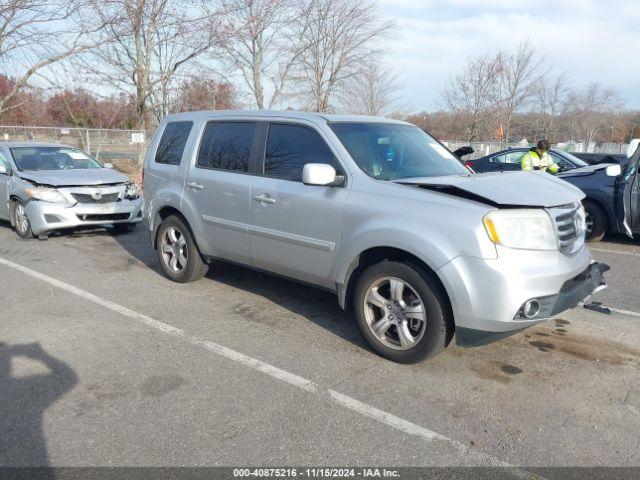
<point>590,41</point>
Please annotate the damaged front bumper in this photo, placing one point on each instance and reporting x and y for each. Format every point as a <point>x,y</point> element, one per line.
<point>572,293</point>
<point>45,217</point>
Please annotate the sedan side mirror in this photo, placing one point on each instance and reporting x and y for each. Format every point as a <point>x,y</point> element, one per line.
<point>321,174</point>
<point>108,165</point>
<point>3,170</point>
<point>613,170</point>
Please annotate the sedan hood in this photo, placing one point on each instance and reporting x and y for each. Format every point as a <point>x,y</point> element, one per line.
<point>74,178</point>
<point>504,189</point>
<point>588,170</point>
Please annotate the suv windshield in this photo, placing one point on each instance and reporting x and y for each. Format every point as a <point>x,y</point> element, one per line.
<point>52,158</point>
<point>388,151</point>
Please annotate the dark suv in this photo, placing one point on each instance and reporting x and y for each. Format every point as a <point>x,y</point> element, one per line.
<point>611,189</point>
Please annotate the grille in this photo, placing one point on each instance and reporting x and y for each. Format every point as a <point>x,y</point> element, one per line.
<point>104,217</point>
<point>87,198</point>
<point>570,227</point>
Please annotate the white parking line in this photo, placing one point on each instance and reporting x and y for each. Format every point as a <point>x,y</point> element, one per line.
<point>604,250</point>
<point>343,400</point>
<point>624,312</point>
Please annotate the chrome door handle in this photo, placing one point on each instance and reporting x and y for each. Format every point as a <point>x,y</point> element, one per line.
<point>195,186</point>
<point>264,198</point>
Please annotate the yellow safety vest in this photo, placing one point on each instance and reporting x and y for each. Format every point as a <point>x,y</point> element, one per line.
<point>532,161</point>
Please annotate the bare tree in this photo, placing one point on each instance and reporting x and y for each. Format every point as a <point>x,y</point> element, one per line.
<point>152,41</point>
<point>335,39</point>
<point>259,45</point>
<point>519,74</point>
<point>550,100</point>
<point>591,109</point>
<point>473,95</point>
<point>371,91</point>
<point>36,34</point>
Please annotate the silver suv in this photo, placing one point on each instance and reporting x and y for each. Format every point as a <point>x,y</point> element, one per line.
<point>375,210</point>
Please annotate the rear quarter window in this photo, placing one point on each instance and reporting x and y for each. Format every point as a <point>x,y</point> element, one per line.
<point>172,143</point>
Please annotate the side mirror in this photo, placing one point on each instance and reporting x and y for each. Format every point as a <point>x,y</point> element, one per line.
<point>108,165</point>
<point>3,170</point>
<point>321,174</point>
<point>633,146</point>
<point>613,170</point>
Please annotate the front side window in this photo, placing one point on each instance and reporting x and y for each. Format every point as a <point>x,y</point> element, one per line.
<point>388,151</point>
<point>291,147</point>
<point>52,158</point>
<point>514,157</point>
<point>4,162</point>
<point>172,143</point>
<point>227,146</point>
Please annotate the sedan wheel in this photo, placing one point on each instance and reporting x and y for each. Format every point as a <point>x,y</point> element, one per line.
<point>21,221</point>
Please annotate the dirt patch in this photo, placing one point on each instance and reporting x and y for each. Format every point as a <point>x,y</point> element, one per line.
<point>589,348</point>
<point>560,322</point>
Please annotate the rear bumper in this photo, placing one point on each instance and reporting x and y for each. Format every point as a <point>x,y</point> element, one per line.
<point>46,217</point>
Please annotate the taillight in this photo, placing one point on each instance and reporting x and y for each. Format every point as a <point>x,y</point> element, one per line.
<point>470,164</point>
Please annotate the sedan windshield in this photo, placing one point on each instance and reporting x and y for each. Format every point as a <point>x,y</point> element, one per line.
<point>52,158</point>
<point>388,151</point>
<point>573,159</point>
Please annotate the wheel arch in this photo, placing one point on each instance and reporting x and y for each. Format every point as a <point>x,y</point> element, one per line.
<point>165,212</point>
<point>602,206</point>
<point>374,255</point>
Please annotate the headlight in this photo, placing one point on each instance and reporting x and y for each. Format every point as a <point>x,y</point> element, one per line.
<point>528,229</point>
<point>131,191</point>
<point>46,195</point>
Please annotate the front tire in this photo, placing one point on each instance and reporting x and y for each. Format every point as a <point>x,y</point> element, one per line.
<point>178,253</point>
<point>401,311</point>
<point>596,222</point>
<point>21,221</point>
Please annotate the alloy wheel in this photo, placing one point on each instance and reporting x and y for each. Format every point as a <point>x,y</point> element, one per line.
<point>175,252</point>
<point>394,313</point>
<point>21,219</point>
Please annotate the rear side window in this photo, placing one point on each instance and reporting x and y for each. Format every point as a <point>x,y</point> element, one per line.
<point>227,146</point>
<point>3,161</point>
<point>172,143</point>
<point>291,147</point>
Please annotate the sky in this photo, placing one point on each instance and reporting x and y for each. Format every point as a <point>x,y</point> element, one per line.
<point>590,41</point>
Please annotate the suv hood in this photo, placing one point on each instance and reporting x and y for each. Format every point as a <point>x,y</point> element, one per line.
<point>503,189</point>
<point>69,178</point>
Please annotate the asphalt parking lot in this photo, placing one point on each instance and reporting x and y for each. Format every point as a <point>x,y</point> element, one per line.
<point>105,362</point>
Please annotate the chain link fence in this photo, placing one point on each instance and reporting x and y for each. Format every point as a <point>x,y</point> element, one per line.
<point>124,149</point>
<point>480,149</point>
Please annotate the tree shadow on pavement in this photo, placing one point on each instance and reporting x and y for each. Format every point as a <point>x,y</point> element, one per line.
<point>23,401</point>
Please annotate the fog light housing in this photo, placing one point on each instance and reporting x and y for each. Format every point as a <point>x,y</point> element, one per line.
<point>531,308</point>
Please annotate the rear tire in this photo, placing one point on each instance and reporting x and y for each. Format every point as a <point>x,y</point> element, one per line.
<point>20,220</point>
<point>177,251</point>
<point>597,222</point>
<point>404,323</point>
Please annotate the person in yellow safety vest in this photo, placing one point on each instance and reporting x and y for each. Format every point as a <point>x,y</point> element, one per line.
<point>538,158</point>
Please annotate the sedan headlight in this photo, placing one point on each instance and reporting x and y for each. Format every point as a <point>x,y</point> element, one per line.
<point>527,229</point>
<point>46,195</point>
<point>131,191</point>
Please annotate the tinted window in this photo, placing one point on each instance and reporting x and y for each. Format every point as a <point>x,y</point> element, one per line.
<point>227,146</point>
<point>172,142</point>
<point>291,147</point>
